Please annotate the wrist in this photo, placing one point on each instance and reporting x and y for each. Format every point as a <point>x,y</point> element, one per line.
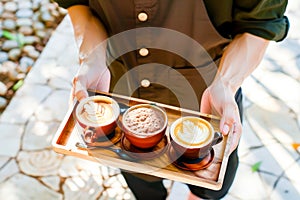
<point>231,84</point>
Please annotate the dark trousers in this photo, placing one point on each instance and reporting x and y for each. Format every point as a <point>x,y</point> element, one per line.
<point>144,190</point>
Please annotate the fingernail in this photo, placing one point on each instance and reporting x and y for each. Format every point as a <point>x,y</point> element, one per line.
<point>225,129</point>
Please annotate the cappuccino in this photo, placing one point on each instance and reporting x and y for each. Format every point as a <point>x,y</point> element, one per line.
<point>97,111</point>
<point>144,120</point>
<point>191,132</point>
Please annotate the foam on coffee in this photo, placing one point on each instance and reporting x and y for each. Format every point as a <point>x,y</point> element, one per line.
<point>96,112</point>
<point>144,120</point>
<point>191,132</point>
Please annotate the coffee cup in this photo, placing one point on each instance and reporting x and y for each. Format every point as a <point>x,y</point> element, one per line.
<point>193,137</point>
<point>144,125</point>
<point>97,116</point>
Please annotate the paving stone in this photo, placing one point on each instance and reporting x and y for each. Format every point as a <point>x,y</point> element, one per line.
<point>274,155</point>
<point>25,102</point>
<point>284,87</point>
<point>3,160</point>
<point>10,139</point>
<point>54,108</point>
<point>40,73</point>
<point>256,94</point>
<point>292,173</point>
<point>285,190</point>
<point>26,188</point>
<point>230,197</point>
<point>123,182</point>
<point>248,140</point>
<point>251,185</point>
<point>8,170</point>
<point>78,188</point>
<point>39,163</point>
<point>287,49</point>
<point>38,135</point>
<point>52,182</point>
<point>290,67</point>
<point>72,166</point>
<point>59,83</point>
<point>179,191</point>
<point>62,72</point>
<point>271,125</point>
<point>54,48</point>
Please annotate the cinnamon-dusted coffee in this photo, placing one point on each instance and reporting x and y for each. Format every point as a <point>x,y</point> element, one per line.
<point>144,125</point>
<point>144,120</point>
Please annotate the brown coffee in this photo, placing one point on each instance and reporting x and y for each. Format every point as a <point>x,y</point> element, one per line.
<point>144,120</point>
<point>192,132</point>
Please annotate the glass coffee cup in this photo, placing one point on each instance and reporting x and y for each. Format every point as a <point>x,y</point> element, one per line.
<point>193,137</point>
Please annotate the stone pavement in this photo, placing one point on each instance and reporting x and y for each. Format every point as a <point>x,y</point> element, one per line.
<point>30,169</point>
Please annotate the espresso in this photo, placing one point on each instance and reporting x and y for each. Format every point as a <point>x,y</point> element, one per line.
<point>144,120</point>
<point>192,132</point>
<point>96,112</point>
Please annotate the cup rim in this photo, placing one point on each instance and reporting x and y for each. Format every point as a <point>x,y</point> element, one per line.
<point>140,135</point>
<point>115,108</point>
<point>191,146</point>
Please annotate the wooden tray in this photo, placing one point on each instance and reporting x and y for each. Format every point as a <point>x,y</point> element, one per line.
<point>212,177</point>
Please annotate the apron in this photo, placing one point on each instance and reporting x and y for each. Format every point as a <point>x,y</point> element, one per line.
<point>165,51</point>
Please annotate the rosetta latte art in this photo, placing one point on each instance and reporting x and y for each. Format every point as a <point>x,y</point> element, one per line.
<point>193,133</point>
<point>97,112</point>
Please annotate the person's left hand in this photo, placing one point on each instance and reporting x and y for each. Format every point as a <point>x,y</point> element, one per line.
<point>218,98</point>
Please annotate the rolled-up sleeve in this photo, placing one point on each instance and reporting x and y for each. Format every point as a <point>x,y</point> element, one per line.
<point>262,18</point>
<point>69,3</point>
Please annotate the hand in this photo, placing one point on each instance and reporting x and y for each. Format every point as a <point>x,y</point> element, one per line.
<point>219,99</point>
<point>93,74</point>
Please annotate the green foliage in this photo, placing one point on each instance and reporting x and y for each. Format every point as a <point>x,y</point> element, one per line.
<point>17,85</point>
<point>255,167</point>
<point>17,37</point>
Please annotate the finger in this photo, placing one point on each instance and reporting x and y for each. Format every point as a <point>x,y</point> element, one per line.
<point>72,96</point>
<point>236,135</point>
<point>230,116</point>
<point>205,106</point>
<point>82,94</point>
<point>79,91</point>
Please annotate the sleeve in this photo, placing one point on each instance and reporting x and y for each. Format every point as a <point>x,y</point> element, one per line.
<point>69,3</point>
<point>262,18</point>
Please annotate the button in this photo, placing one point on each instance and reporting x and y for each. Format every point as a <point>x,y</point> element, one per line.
<point>143,52</point>
<point>142,16</point>
<point>145,83</point>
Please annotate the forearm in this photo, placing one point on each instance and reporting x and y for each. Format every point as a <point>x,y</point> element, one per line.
<point>88,30</point>
<point>240,59</point>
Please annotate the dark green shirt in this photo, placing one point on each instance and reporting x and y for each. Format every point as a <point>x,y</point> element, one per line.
<point>264,18</point>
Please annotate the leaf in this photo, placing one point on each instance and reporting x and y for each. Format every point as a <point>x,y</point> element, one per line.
<point>17,85</point>
<point>296,146</point>
<point>255,167</point>
<point>8,35</point>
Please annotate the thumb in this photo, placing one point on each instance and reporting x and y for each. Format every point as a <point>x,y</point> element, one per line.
<point>79,91</point>
<point>81,94</point>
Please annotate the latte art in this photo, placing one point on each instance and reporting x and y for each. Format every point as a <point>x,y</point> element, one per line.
<point>97,112</point>
<point>192,132</point>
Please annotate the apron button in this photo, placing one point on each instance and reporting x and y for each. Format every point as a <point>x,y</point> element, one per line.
<point>143,52</point>
<point>145,83</point>
<point>142,16</point>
